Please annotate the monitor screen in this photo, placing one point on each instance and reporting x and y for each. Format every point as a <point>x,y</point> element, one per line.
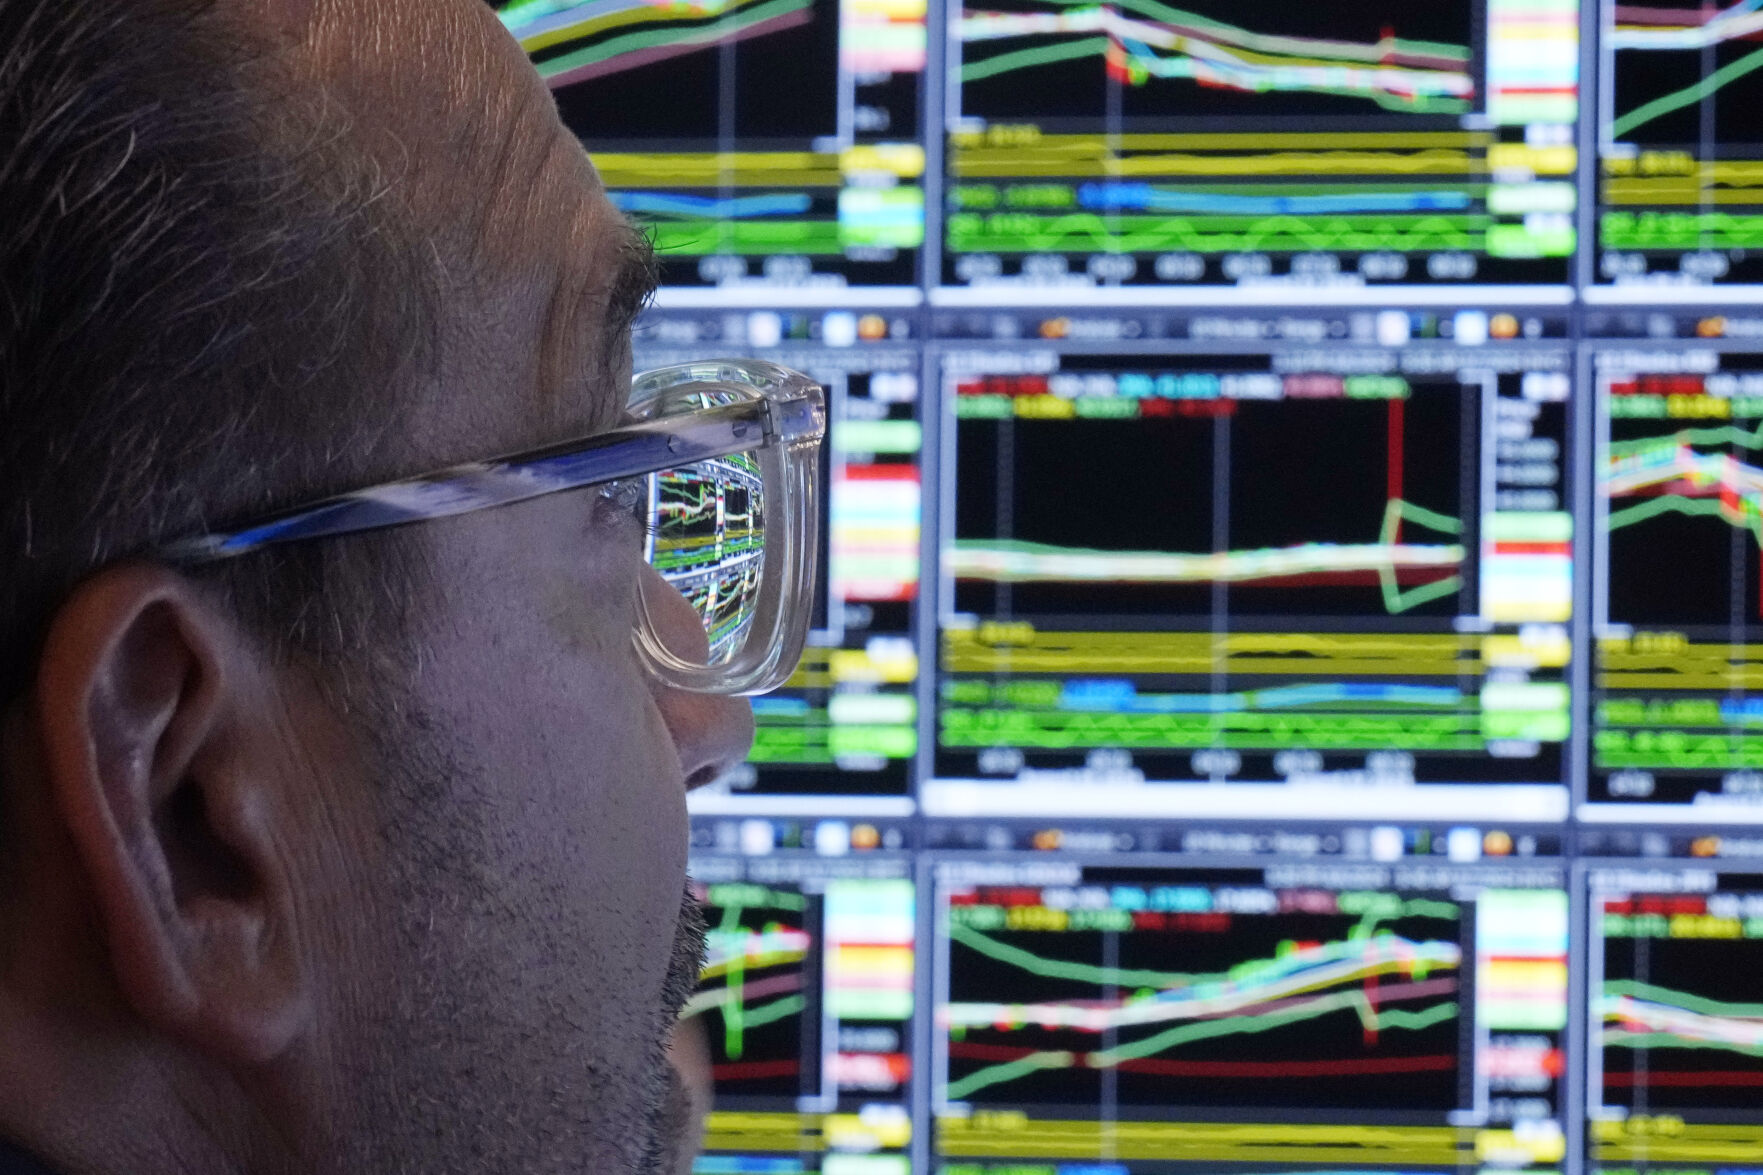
<point>1278,699</point>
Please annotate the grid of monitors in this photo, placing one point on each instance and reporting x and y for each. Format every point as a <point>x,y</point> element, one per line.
<point>1285,688</point>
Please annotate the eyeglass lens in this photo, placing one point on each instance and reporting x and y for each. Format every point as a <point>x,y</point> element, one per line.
<point>707,539</point>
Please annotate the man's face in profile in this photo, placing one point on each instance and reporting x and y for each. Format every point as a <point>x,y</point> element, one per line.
<point>525,918</point>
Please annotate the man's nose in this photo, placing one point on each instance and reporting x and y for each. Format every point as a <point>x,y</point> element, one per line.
<point>712,732</point>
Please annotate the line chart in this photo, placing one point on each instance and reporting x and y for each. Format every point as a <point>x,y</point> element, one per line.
<point>676,204</point>
<point>1287,154</point>
<point>1688,95</point>
<point>1645,27</point>
<point>1683,475</point>
<point>1694,484</point>
<point>1655,29</point>
<point>1681,148</point>
<point>1660,54</point>
<point>1673,1019</point>
<point>1092,89</point>
<point>1390,562</point>
<point>1031,232</point>
<point>755,982</point>
<point>1142,40</point>
<point>1644,1016</point>
<point>1362,524</point>
<point>577,42</point>
<point>1271,199</point>
<point>1360,1004</point>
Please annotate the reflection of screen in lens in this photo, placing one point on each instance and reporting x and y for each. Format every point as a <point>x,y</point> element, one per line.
<point>709,542</point>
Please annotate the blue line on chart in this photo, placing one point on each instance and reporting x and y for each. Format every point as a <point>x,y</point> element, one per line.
<point>793,707</point>
<point>1144,196</point>
<point>713,207</point>
<point>1123,696</point>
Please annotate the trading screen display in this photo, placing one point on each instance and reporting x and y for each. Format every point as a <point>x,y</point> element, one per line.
<point>807,1006</point>
<point>1284,684</point>
<point>1672,1057</point>
<point>1677,589</point>
<point>1680,152</point>
<point>767,142</point>
<point>1213,597</point>
<point>1315,144</point>
<point>1198,1020</point>
<point>846,723</point>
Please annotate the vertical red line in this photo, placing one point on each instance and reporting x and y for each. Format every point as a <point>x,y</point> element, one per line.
<point>1369,1033</point>
<point>1394,485</point>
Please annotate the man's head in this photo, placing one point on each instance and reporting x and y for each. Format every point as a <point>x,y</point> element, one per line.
<point>367,855</point>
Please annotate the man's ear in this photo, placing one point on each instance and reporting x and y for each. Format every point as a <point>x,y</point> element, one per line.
<point>160,755</point>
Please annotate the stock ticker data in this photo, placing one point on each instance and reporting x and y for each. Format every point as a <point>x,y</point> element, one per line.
<point>1216,598</point>
<point>1212,143</point>
<point>1200,1020</point>
<point>1680,152</point>
<point>1284,690</point>
<point>759,140</point>
<point>1673,1055</point>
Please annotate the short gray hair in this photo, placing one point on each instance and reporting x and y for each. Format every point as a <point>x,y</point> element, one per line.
<point>204,312</point>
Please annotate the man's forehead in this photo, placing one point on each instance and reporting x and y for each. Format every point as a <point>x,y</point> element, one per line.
<point>394,35</point>
<point>438,72</point>
<point>467,139</point>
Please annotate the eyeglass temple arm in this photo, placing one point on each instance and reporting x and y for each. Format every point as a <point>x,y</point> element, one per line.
<point>629,451</point>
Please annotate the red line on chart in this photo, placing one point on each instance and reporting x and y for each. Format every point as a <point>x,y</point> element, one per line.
<point>753,1070</point>
<point>1397,461</point>
<point>1670,1078</point>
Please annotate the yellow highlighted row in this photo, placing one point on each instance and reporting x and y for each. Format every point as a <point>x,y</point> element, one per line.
<point>1201,652</point>
<point>1681,666</point>
<point>988,1135</point>
<point>1684,1142</point>
<point>758,168</point>
<point>1033,161</point>
<point>727,1130</point>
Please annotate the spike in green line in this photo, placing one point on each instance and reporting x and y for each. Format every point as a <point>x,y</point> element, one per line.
<point>1364,1009</point>
<point>1395,600</point>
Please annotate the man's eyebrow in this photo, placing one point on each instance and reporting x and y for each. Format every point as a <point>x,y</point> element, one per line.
<point>633,284</point>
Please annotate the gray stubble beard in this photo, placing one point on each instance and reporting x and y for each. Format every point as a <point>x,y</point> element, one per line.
<point>668,1104</point>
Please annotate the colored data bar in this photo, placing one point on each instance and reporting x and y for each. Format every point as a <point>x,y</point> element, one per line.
<point>1533,61</point>
<point>883,36</point>
<point>875,513</point>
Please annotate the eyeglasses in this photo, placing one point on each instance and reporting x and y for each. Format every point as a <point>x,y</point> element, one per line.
<point>722,458</point>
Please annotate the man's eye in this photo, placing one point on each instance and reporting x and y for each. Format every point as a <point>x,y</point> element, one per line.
<point>630,500</point>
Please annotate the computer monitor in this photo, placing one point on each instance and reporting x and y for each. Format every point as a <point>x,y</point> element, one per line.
<point>1280,696</point>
